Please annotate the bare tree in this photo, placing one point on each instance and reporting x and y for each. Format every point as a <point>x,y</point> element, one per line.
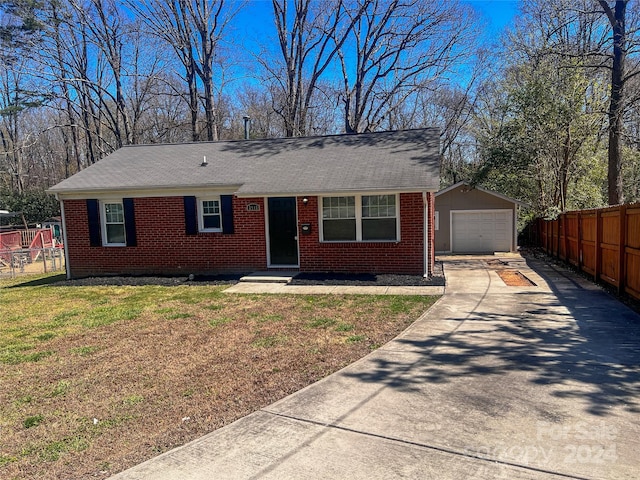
<point>194,30</point>
<point>309,34</point>
<point>396,48</point>
<point>20,90</point>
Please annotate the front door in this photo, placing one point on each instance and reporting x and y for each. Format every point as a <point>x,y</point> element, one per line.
<point>283,231</point>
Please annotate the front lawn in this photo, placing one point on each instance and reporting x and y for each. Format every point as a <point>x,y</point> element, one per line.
<point>97,379</point>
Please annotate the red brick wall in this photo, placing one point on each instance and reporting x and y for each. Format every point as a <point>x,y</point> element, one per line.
<point>164,248</point>
<point>162,245</point>
<point>405,256</point>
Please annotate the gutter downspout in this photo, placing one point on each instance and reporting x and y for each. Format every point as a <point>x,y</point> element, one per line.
<point>64,238</point>
<point>427,258</point>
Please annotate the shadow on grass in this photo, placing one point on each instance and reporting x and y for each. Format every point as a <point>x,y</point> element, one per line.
<point>132,280</point>
<point>38,282</point>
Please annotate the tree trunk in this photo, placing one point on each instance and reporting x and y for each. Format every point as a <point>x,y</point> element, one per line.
<point>616,104</point>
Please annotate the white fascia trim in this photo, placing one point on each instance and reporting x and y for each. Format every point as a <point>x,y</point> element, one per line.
<point>328,193</point>
<point>198,191</point>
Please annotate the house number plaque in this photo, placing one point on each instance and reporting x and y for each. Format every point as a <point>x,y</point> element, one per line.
<point>253,207</point>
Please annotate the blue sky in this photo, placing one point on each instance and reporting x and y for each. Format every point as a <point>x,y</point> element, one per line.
<point>498,13</point>
<point>255,22</point>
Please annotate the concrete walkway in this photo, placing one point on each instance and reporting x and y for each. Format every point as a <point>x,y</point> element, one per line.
<point>278,283</point>
<point>492,382</point>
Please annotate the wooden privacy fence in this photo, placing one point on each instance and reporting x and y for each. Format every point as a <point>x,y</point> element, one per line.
<point>604,243</point>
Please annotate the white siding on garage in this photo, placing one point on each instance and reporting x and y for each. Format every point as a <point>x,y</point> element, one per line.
<point>481,231</point>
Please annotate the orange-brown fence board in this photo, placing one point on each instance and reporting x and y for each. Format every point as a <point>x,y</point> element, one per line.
<point>610,247</point>
<point>632,252</point>
<point>571,227</point>
<point>587,242</point>
<point>604,243</point>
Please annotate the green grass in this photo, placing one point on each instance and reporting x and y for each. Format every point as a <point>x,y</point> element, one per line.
<point>322,322</point>
<point>60,389</point>
<point>54,380</point>
<point>35,311</point>
<point>84,351</point>
<point>7,459</point>
<point>404,304</point>
<point>179,315</point>
<point>43,337</point>
<point>32,421</point>
<point>51,451</point>
<point>133,400</point>
<point>269,341</point>
<point>16,358</point>
<point>344,327</point>
<point>355,338</point>
<point>216,322</point>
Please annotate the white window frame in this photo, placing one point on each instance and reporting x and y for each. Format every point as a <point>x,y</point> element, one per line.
<point>103,223</point>
<point>358,207</point>
<point>201,200</point>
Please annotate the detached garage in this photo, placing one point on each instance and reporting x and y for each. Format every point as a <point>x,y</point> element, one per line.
<point>475,220</point>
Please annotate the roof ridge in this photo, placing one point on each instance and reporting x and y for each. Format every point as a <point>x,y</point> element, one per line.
<point>269,139</point>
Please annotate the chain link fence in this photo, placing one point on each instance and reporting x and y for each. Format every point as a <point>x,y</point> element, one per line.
<point>25,261</point>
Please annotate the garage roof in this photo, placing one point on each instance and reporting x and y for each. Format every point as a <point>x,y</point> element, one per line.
<point>490,192</point>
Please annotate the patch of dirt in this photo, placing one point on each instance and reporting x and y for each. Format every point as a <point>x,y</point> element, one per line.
<point>513,278</point>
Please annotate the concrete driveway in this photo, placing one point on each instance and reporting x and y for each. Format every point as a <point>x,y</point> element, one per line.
<point>538,382</point>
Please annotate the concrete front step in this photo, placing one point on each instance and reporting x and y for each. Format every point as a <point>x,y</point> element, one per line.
<point>269,277</point>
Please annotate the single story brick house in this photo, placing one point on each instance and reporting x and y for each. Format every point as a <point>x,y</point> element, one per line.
<point>361,203</point>
<point>475,220</point>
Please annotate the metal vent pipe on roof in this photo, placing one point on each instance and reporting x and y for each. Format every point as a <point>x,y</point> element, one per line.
<point>247,121</point>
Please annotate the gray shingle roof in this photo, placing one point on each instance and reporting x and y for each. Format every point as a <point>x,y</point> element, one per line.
<point>392,161</point>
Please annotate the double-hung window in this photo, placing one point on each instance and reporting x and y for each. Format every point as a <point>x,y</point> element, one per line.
<point>113,229</point>
<point>210,216</point>
<point>379,217</point>
<point>339,218</point>
<point>360,218</point>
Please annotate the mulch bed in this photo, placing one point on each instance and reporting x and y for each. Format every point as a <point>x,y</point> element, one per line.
<point>330,278</point>
<point>366,279</point>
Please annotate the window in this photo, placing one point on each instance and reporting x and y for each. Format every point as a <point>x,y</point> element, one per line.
<point>339,218</point>
<point>210,218</point>
<point>379,217</point>
<point>113,225</point>
<point>360,218</point>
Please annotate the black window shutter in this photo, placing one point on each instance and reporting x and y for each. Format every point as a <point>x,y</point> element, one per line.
<point>190,216</point>
<point>129,222</point>
<point>93,216</point>
<point>226,204</point>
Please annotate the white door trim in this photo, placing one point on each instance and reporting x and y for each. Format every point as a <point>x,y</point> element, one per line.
<point>267,236</point>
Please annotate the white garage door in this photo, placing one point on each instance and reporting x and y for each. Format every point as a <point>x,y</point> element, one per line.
<point>485,231</point>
